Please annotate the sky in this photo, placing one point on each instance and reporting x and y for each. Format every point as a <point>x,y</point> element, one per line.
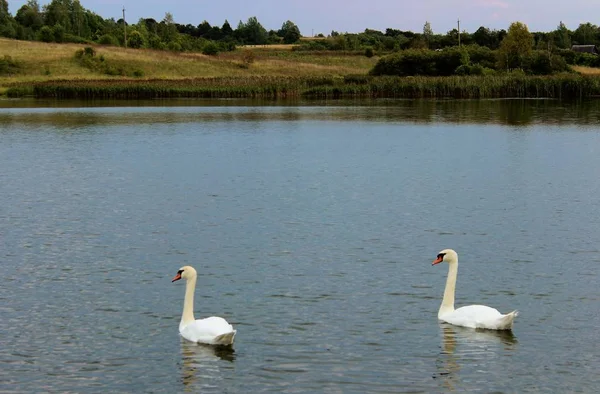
<point>353,16</point>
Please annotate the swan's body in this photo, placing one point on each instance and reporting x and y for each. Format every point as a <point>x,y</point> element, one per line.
<point>473,316</point>
<point>212,330</point>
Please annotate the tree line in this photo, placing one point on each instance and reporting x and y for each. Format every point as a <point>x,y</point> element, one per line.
<point>69,21</point>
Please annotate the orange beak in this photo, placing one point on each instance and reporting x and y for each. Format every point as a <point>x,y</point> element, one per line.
<point>437,261</point>
<point>176,278</point>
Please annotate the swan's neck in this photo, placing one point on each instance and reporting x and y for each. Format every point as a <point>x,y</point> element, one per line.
<point>188,303</point>
<point>448,301</point>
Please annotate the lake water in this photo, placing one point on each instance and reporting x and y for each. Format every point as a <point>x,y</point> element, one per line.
<point>312,227</point>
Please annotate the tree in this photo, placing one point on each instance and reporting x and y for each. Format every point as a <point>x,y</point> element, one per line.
<point>29,15</point>
<point>251,32</point>
<point>515,47</point>
<point>586,33</point>
<point>289,32</point>
<point>167,29</point>
<point>226,29</point>
<point>427,33</point>
<point>7,22</point>
<point>562,36</point>
<point>135,39</point>
<point>203,28</point>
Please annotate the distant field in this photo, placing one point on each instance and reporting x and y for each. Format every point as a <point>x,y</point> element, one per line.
<point>586,70</point>
<point>40,62</point>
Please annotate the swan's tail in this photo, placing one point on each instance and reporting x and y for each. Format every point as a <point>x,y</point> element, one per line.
<point>506,321</point>
<point>225,339</point>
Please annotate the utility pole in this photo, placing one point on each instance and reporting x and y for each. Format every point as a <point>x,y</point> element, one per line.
<point>458,21</point>
<point>124,27</point>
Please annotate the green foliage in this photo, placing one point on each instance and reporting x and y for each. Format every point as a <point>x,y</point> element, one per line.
<point>108,39</point>
<point>29,16</point>
<point>135,40</point>
<point>421,62</point>
<point>174,46</point>
<point>543,63</point>
<point>58,32</point>
<point>369,52</point>
<point>562,36</point>
<point>46,34</point>
<point>474,69</point>
<point>515,47</point>
<point>8,66</point>
<point>251,32</point>
<point>87,58</point>
<point>211,49</point>
<point>514,84</point>
<point>289,32</point>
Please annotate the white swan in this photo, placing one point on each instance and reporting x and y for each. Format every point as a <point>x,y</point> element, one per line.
<point>212,330</point>
<point>473,316</point>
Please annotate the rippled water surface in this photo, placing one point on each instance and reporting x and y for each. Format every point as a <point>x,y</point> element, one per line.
<point>313,228</point>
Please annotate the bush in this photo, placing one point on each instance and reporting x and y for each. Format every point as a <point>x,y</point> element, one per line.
<point>473,69</point>
<point>481,55</point>
<point>8,66</point>
<point>46,34</point>
<point>542,63</point>
<point>136,40</point>
<point>358,79</point>
<point>108,39</point>
<point>421,62</point>
<point>369,52</point>
<point>211,49</point>
<point>58,32</point>
<point>174,46</point>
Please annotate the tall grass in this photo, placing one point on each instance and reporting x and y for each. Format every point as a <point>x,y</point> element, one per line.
<point>493,86</point>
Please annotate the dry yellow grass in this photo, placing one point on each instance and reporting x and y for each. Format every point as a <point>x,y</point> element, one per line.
<point>287,47</point>
<point>42,61</point>
<point>586,70</point>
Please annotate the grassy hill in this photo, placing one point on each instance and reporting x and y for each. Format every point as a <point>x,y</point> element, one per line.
<point>55,71</point>
<point>37,62</point>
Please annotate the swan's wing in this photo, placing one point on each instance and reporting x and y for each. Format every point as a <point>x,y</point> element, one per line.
<point>474,316</point>
<point>206,330</point>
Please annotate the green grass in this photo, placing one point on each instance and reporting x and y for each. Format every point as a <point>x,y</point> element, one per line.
<point>496,86</point>
<point>53,70</point>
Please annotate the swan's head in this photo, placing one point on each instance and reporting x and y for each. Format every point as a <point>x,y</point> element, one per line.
<point>186,273</point>
<point>447,255</point>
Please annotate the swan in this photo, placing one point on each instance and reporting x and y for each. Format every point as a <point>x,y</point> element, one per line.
<point>212,330</point>
<point>473,316</point>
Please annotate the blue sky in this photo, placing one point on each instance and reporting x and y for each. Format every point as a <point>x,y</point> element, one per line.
<point>323,16</point>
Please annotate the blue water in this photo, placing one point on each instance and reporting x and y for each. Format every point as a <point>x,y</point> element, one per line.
<point>312,229</point>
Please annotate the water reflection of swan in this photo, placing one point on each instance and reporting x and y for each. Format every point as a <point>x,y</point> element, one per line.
<point>200,368</point>
<point>460,345</point>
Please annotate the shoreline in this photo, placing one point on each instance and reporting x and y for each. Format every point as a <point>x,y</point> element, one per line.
<point>561,86</point>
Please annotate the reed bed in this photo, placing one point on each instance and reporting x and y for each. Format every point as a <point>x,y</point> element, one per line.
<point>459,87</point>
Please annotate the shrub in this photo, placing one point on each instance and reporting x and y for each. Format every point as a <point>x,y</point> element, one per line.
<point>58,32</point>
<point>542,63</point>
<point>8,66</point>
<point>421,62</point>
<point>136,40</point>
<point>46,34</point>
<point>174,46</point>
<point>369,52</point>
<point>211,49</point>
<point>108,39</point>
